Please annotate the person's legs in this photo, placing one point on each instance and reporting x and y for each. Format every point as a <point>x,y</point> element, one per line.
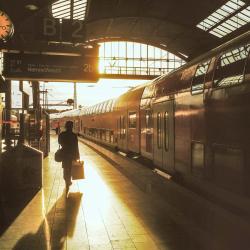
<point>67,173</point>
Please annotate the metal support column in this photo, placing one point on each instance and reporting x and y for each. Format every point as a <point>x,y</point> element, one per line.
<point>7,116</point>
<point>75,96</point>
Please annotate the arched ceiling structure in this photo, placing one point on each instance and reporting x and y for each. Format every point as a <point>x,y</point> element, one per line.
<point>168,24</point>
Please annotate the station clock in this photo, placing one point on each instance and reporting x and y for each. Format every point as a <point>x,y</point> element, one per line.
<point>6,27</point>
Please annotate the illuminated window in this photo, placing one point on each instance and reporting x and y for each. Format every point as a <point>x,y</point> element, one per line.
<point>229,17</point>
<point>199,77</point>
<point>230,67</point>
<point>166,131</point>
<point>63,9</point>
<point>148,121</point>
<point>132,119</point>
<point>132,58</point>
<point>235,55</point>
<point>159,130</point>
<point>197,159</point>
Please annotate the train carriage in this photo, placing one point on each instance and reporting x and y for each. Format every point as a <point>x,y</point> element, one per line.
<point>97,123</point>
<point>128,121</point>
<point>202,117</point>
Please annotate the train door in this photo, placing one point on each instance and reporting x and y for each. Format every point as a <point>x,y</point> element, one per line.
<point>163,115</point>
<point>122,138</point>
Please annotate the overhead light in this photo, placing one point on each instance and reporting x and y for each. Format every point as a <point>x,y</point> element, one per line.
<point>31,7</point>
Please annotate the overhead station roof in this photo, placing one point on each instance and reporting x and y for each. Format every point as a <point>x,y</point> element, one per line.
<point>185,28</point>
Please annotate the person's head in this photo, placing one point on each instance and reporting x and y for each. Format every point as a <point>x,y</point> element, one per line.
<point>69,125</point>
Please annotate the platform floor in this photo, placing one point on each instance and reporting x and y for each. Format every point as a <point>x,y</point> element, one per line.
<point>104,211</point>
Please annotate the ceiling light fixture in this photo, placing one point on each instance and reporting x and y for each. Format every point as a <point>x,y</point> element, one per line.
<point>31,7</point>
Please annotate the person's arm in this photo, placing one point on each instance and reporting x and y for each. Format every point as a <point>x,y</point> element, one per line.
<point>60,139</point>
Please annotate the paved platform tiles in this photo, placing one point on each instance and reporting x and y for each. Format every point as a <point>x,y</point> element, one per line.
<point>104,211</point>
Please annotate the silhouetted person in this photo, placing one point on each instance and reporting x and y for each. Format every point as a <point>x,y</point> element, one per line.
<point>68,141</point>
<point>58,128</point>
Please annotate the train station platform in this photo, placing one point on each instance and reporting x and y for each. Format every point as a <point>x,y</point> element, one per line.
<point>103,211</point>
<point>109,209</point>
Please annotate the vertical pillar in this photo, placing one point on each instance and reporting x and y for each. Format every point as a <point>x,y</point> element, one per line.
<point>8,141</point>
<point>75,96</point>
<point>37,116</point>
<point>1,124</point>
<point>25,107</point>
<point>36,95</point>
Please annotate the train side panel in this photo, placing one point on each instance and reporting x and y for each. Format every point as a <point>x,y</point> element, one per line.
<point>133,113</point>
<point>228,121</point>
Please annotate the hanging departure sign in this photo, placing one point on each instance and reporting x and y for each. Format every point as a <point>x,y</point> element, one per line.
<point>51,67</point>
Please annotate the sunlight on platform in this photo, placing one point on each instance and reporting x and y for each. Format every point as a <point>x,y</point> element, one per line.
<point>103,211</point>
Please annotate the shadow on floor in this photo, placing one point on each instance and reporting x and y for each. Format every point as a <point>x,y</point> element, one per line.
<point>57,224</point>
<point>12,202</point>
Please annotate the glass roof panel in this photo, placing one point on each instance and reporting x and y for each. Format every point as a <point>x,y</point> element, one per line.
<point>226,19</point>
<point>227,27</point>
<point>213,18</point>
<point>202,26</point>
<point>216,15</point>
<point>245,15</point>
<point>62,9</point>
<point>216,33</point>
<point>223,13</point>
<point>238,22</point>
<point>210,22</point>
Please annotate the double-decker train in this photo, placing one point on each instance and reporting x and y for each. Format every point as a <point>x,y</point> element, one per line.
<point>193,122</point>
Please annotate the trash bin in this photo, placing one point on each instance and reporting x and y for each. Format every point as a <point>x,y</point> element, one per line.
<point>22,168</point>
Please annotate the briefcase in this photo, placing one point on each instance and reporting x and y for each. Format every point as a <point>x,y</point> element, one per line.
<point>77,170</point>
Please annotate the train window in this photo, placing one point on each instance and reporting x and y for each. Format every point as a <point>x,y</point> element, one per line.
<point>166,130</point>
<point>132,119</point>
<point>199,78</point>
<point>197,157</point>
<point>148,118</point>
<point>247,70</point>
<point>230,67</point>
<point>123,126</point>
<point>235,55</point>
<point>111,136</point>
<point>159,130</point>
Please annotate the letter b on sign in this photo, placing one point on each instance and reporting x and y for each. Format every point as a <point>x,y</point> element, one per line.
<point>48,29</point>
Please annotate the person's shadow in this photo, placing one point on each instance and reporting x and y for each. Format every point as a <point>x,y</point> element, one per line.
<point>58,224</point>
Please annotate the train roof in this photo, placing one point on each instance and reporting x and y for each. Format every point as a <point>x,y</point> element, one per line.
<point>68,113</point>
<point>159,84</point>
<point>236,41</point>
<point>101,107</point>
